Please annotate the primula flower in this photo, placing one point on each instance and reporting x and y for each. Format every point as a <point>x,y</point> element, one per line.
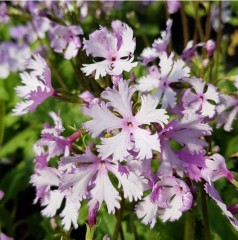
<point>4,18</point>
<point>169,198</point>
<point>5,237</point>
<point>37,86</point>
<point>173,6</point>
<point>199,101</point>
<point>227,111</point>
<point>170,71</point>
<point>12,57</point>
<point>215,169</point>
<point>115,48</point>
<point>128,131</point>
<point>90,180</point>
<point>51,141</point>
<point>1,194</point>
<point>187,132</point>
<point>212,192</point>
<point>159,46</point>
<point>46,178</point>
<point>66,39</point>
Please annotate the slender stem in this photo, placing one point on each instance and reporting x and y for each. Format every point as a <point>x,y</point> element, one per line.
<point>167,17</point>
<point>2,124</point>
<point>119,220</point>
<point>208,22</point>
<point>218,41</point>
<point>197,20</point>
<point>205,214</point>
<point>184,24</point>
<point>189,225</point>
<point>56,74</point>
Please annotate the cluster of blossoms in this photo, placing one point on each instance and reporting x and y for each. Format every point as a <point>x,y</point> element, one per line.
<point>147,135</point>
<point>135,123</point>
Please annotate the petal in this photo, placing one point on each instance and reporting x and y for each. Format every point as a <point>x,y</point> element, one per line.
<point>120,99</point>
<point>179,71</point>
<point>148,112</point>
<point>147,211</point>
<point>148,83</point>
<point>145,143</point>
<point>70,213</point>
<point>116,146</point>
<point>100,69</point>
<point>52,202</point>
<point>131,183</point>
<point>78,180</point>
<point>166,64</point>
<point>103,119</point>
<point>105,191</point>
<point>168,98</point>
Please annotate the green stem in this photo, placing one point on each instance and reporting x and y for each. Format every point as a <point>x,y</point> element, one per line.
<point>189,226</point>
<point>2,125</point>
<point>197,20</point>
<point>119,220</point>
<point>205,214</point>
<point>208,22</point>
<point>218,42</point>
<point>184,24</point>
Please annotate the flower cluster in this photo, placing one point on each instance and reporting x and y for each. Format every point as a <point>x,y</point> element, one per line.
<point>146,139</point>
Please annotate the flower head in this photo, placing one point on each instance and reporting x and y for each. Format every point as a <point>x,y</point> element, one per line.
<point>170,71</point>
<point>37,86</point>
<point>128,132</point>
<point>115,48</point>
<point>169,198</point>
<point>66,40</point>
<point>199,101</point>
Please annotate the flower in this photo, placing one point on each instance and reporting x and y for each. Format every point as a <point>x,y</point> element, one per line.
<point>159,46</point>
<point>128,131</point>
<point>170,72</point>
<point>173,6</point>
<point>227,111</point>
<point>199,102</point>
<point>190,159</point>
<point>169,198</point>
<point>66,39</point>
<point>37,86</point>
<point>89,180</point>
<point>45,178</point>
<point>115,48</point>
<point>4,18</point>
<point>215,169</point>
<point>5,237</point>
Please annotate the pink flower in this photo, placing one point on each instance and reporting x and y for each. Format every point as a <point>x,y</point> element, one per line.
<point>159,46</point>
<point>128,131</point>
<point>198,101</point>
<point>37,86</point>
<point>51,140</point>
<point>173,6</point>
<point>227,111</point>
<point>1,194</point>
<point>169,198</point>
<point>115,48</point>
<point>90,180</point>
<point>215,169</point>
<point>45,178</point>
<point>66,40</point>
<point>5,237</point>
<point>170,71</point>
